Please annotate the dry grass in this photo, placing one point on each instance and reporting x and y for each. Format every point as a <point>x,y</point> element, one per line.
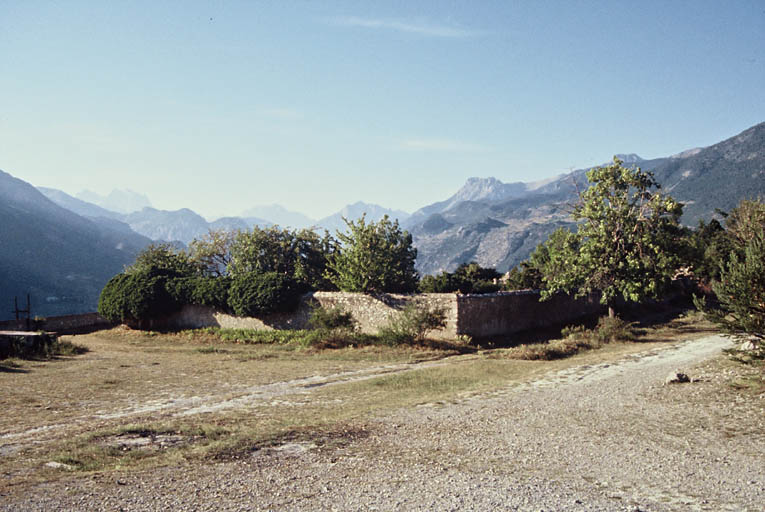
<point>124,370</point>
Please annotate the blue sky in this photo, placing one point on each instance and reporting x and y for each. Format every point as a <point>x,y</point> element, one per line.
<point>221,106</point>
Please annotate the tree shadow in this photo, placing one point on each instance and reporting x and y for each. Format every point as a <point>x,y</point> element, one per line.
<point>11,368</point>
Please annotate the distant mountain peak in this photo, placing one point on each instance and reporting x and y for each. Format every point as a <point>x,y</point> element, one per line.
<point>486,189</point>
<point>373,212</point>
<point>118,200</point>
<point>629,158</point>
<point>278,214</point>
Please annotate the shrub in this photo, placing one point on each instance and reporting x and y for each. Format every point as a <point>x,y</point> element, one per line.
<point>203,291</point>
<point>614,329</point>
<point>412,323</point>
<point>331,319</point>
<point>27,347</point>
<point>135,298</point>
<point>255,294</point>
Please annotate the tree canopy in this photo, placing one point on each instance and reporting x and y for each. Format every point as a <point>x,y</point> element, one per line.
<point>625,242</point>
<point>374,257</point>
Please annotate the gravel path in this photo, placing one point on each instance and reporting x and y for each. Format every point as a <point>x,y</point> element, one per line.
<point>603,437</point>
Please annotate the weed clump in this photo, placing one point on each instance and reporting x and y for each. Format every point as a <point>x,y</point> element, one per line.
<point>412,324</point>
<point>575,339</point>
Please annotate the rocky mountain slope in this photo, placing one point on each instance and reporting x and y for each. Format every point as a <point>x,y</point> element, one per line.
<point>498,224</point>
<point>374,213</point>
<point>61,259</point>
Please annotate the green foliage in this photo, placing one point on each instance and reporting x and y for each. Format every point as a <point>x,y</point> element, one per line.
<point>524,277</point>
<point>212,252</point>
<point>332,318</point>
<point>467,278</point>
<point>163,260</point>
<point>259,336</point>
<point>412,324</point>
<point>626,242</point>
<point>741,288</point>
<point>301,255</point>
<point>613,328</point>
<point>257,294</point>
<point>28,347</point>
<point>200,290</point>
<point>135,298</point>
<point>553,261</point>
<point>575,339</point>
<point>374,257</point>
<point>708,247</point>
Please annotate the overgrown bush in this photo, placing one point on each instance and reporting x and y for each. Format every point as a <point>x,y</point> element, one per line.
<point>256,294</point>
<point>412,324</point>
<point>576,338</point>
<point>135,298</point>
<point>332,318</point>
<point>200,290</point>
<point>614,329</point>
<point>467,278</point>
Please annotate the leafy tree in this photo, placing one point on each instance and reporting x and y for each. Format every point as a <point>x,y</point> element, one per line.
<point>626,240</point>
<point>212,252</point>
<point>301,255</point>
<point>374,257</point>
<point>163,260</point>
<point>467,278</point>
<point>440,283</point>
<point>708,247</point>
<point>523,277</point>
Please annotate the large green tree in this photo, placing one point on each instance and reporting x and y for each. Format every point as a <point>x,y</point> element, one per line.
<point>301,255</point>
<point>374,257</point>
<point>625,245</point>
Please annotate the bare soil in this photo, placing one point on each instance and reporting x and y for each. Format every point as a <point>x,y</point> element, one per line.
<point>161,423</point>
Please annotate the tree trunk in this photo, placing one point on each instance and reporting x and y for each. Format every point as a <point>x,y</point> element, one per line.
<point>611,312</point>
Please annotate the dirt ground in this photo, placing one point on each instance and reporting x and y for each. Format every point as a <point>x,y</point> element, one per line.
<point>144,422</point>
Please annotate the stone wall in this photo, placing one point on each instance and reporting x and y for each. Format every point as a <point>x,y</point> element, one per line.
<point>511,312</point>
<point>478,316</point>
<point>370,311</point>
<point>61,324</point>
<point>374,311</point>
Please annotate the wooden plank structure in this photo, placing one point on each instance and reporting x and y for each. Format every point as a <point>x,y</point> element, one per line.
<point>25,343</point>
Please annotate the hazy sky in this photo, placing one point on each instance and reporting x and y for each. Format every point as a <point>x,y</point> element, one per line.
<point>220,106</point>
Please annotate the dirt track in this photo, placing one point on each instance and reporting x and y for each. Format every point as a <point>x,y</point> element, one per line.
<point>603,437</point>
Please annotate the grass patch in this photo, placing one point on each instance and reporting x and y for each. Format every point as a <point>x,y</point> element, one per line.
<point>212,349</point>
<point>576,339</point>
<point>67,348</point>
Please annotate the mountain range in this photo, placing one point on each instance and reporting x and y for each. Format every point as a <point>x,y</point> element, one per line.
<point>62,249</point>
<point>58,257</point>
<point>499,224</point>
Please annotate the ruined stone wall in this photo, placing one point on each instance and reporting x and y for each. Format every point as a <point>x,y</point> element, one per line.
<point>510,312</point>
<point>374,311</point>
<point>64,324</point>
<point>370,311</point>
<point>478,316</point>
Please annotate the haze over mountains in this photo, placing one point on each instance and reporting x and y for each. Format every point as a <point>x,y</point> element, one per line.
<point>62,249</point>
